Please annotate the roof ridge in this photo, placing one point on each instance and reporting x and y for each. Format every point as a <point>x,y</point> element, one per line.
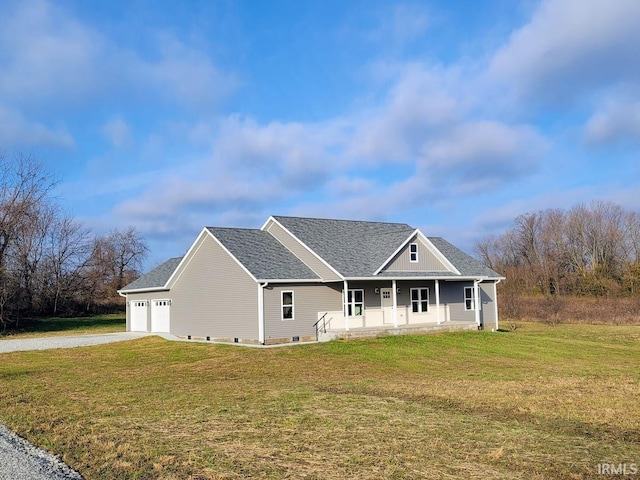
<point>342,220</point>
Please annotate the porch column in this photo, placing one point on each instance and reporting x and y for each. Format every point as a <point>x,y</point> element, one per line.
<point>476,301</point>
<point>395,304</point>
<point>346,306</point>
<point>438,301</point>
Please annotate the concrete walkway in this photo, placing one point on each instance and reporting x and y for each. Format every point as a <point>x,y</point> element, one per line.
<point>46,343</point>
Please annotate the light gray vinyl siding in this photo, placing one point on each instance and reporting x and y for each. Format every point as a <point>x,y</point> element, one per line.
<point>213,296</point>
<point>301,252</point>
<point>308,300</point>
<point>427,261</point>
<point>452,295</point>
<point>488,312</point>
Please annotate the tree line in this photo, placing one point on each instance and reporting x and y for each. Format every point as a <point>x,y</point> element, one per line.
<point>50,262</point>
<point>586,250</point>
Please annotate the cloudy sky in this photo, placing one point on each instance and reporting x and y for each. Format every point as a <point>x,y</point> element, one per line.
<point>454,117</point>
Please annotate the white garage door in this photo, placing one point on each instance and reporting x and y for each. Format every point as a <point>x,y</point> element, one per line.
<point>160,315</point>
<point>139,316</point>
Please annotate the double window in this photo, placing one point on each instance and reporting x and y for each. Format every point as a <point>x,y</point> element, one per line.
<point>420,300</point>
<point>287,305</point>
<point>355,303</point>
<point>413,252</point>
<point>469,298</point>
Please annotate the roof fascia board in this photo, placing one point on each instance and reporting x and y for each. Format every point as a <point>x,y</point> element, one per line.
<point>430,246</point>
<point>402,245</point>
<point>426,277</point>
<point>185,260</point>
<point>439,255</point>
<point>291,280</point>
<point>143,290</point>
<point>271,218</point>
<point>231,255</point>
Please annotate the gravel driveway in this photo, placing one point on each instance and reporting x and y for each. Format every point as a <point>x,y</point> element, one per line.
<point>20,460</point>
<point>46,343</point>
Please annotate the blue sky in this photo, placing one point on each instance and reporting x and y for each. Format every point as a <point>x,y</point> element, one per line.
<point>452,116</point>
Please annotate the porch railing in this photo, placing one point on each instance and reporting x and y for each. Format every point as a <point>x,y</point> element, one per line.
<point>321,325</point>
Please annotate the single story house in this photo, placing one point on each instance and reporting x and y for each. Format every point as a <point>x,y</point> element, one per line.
<point>297,277</point>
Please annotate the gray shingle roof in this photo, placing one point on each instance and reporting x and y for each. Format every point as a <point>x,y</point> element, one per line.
<point>353,248</point>
<point>264,256</point>
<point>156,278</point>
<point>466,264</point>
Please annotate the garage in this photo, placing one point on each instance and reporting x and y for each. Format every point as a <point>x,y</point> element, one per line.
<point>139,316</point>
<point>160,316</point>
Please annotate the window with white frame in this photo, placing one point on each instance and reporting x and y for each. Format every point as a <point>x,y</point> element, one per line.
<point>469,298</point>
<point>287,305</point>
<point>413,252</point>
<point>420,300</point>
<point>355,303</point>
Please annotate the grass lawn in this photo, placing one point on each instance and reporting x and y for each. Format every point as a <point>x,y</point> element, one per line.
<point>43,327</point>
<point>538,403</point>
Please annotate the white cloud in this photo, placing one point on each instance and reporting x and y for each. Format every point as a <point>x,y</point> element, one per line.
<point>569,47</point>
<point>46,53</point>
<point>52,58</point>
<point>617,120</point>
<point>118,132</point>
<point>16,130</point>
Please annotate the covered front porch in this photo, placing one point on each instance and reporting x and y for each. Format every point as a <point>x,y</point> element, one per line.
<point>399,305</point>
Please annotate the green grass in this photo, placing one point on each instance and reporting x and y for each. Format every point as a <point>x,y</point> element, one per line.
<point>42,327</point>
<point>542,402</point>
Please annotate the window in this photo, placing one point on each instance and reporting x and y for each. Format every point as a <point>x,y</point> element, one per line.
<point>469,298</point>
<point>355,303</point>
<point>413,252</point>
<point>287,305</point>
<point>419,300</point>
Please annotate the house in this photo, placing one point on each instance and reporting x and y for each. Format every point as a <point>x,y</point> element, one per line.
<point>297,278</point>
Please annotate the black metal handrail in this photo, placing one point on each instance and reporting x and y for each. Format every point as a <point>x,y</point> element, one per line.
<point>324,325</point>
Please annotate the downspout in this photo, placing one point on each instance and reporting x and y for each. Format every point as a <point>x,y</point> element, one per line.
<point>476,291</point>
<point>261,334</point>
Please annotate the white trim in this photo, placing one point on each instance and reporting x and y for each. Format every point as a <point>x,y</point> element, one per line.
<point>124,293</point>
<point>420,299</point>
<point>437,288</point>
<point>424,277</point>
<point>476,286</point>
<point>282,305</point>
<point>292,280</point>
<point>430,246</point>
<point>185,260</point>
<point>261,334</point>
<point>395,303</point>
<point>322,260</point>
<point>402,245</point>
<point>495,300</point>
<point>417,260</point>
<point>473,298</point>
<point>439,255</point>
<point>345,303</point>
<point>353,302</point>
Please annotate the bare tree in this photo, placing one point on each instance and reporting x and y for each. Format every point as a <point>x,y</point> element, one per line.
<point>585,250</point>
<point>24,187</point>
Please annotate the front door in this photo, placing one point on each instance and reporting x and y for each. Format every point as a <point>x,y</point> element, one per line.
<point>386,302</point>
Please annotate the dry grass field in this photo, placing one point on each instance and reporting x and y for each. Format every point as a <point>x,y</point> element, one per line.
<point>55,326</point>
<point>539,403</point>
